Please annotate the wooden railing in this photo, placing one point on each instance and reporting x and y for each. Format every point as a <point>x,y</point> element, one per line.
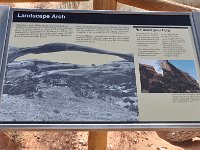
<point>152,5</point>
<point>158,5</point>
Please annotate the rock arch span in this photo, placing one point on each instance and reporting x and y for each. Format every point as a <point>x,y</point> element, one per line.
<point>14,52</point>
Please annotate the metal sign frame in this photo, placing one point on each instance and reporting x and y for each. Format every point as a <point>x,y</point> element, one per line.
<point>6,15</point>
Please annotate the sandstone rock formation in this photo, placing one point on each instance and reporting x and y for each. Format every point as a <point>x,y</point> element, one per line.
<point>173,80</point>
<point>41,90</point>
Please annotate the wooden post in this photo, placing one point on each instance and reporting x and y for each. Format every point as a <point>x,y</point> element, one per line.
<point>104,4</point>
<point>97,140</point>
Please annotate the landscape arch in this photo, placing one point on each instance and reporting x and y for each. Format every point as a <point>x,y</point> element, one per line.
<point>14,52</point>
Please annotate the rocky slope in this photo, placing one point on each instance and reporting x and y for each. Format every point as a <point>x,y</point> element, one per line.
<point>48,91</point>
<point>173,80</point>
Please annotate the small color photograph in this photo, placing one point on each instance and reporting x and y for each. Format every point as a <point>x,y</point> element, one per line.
<point>168,76</point>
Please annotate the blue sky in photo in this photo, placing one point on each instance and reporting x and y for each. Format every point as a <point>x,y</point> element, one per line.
<point>154,63</point>
<point>186,66</point>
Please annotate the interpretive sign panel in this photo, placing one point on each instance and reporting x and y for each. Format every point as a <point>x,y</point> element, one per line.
<point>89,67</point>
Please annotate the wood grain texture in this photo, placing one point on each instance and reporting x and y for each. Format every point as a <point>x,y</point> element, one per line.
<point>21,1</point>
<point>158,5</point>
<point>97,140</point>
<point>104,4</point>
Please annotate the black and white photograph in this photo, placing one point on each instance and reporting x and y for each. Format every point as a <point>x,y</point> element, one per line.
<point>69,83</point>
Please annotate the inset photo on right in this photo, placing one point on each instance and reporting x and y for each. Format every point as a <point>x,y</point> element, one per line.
<point>168,76</point>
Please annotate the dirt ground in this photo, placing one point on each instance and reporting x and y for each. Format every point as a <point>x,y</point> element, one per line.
<point>72,140</point>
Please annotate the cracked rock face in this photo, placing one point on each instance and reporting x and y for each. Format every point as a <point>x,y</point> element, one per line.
<point>173,80</point>
<point>115,79</point>
<point>40,90</point>
<point>37,90</point>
